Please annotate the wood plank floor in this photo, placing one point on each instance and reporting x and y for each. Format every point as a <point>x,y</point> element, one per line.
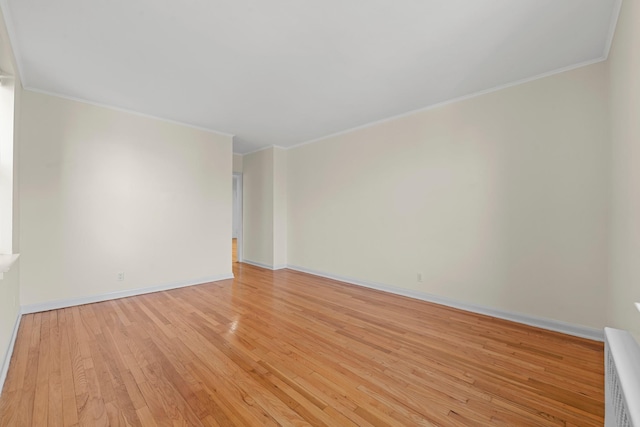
<point>286,348</point>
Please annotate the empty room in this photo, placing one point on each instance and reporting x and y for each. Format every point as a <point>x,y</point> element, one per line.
<point>336,213</point>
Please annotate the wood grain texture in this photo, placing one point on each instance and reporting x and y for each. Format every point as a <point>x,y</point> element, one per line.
<point>287,348</point>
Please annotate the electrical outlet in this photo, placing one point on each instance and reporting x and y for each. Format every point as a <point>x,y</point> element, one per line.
<point>120,277</point>
<point>419,277</point>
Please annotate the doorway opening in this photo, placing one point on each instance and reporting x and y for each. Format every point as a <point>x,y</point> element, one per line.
<point>236,233</point>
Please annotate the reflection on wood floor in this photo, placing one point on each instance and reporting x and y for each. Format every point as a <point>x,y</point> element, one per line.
<point>287,348</point>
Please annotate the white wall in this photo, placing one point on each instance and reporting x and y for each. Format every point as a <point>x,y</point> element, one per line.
<point>501,200</point>
<point>103,192</point>
<point>624,72</point>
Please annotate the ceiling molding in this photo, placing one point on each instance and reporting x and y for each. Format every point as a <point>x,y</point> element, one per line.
<point>124,110</point>
<point>454,100</point>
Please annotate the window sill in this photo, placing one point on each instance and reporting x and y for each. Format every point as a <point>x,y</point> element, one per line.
<point>6,261</point>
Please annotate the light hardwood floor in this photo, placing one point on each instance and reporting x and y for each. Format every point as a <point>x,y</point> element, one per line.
<point>234,250</point>
<point>287,348</point>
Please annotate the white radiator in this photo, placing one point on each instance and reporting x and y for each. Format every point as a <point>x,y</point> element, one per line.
<point>622,379</point>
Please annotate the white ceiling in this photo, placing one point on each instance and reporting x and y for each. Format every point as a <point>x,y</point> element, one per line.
<point>283,72</point>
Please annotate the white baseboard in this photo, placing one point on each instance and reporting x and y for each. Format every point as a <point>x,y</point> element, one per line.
<point>549,324</point>
<point>54,305</point>
<point>267,266</point>
<point>9,353</point>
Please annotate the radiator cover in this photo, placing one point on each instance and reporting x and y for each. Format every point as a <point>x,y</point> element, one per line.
<point>622,379</point>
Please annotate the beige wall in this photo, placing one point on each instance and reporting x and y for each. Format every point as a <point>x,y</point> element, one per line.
<point>257,207</point>
<point>265,207</point>
<point>104,192</point>
<point>237,163</point>
<point>279,207</point>
<point>624,76</point>
<point>500,200</point>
